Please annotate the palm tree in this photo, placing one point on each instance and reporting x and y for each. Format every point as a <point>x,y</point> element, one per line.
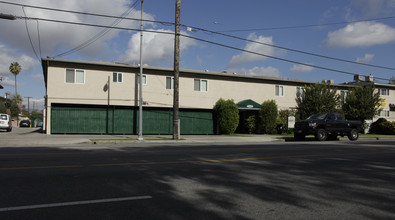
<point>15,69</point>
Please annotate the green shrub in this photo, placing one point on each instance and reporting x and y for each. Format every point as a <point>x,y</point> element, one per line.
<point>268,117</point>
<point>227,114</point>
<point>388,127</point>
<point>250,123</point>
<point>376,127</point>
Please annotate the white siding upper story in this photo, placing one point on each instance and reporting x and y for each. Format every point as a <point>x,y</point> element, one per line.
<point>77,82</point>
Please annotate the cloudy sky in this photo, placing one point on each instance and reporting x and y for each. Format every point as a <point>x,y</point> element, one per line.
<point>361,31</point>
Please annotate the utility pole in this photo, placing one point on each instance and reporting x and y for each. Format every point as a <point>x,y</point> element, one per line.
<point>108,105</point>
<point>176,129</point>
<point>140,137</point>
<point>28,104</point>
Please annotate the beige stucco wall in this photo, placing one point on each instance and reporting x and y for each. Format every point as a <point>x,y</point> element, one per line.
<point>92,91</point>
<point>390,99</point>
<point>155,93</point>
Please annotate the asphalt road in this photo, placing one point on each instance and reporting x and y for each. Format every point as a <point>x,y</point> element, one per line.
<point>291,180</point>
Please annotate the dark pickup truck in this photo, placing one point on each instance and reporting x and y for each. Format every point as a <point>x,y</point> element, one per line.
<point>327,126</point>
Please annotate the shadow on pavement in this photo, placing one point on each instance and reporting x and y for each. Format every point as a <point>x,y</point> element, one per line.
<point>346,187</point>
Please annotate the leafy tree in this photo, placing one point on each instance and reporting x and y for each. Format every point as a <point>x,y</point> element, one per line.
<point>284,114</point>
<point>362,103</point>
<point>14,108</point>
<point>250,123</point>
<point>317,98</point>
<point>25,111</point>
<point>3,108</point>
<point>227,114</point>
<point>268,116</point>
<point>15,69</point>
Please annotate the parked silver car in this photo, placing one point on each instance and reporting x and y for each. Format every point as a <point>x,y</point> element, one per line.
<point>5,122</point>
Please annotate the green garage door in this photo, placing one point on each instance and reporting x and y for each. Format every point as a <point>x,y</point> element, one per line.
<point>91,120</point>
<point>192,122</point>
<point>122,120</point>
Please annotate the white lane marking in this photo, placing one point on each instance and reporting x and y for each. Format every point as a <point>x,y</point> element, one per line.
<point>73,203</point>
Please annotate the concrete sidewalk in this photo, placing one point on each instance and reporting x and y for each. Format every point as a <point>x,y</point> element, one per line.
<point>34,137</point>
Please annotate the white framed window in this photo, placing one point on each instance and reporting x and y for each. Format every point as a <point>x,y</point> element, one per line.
<point>384,92</point>
<point>200,85</point>
<point>144,79</point>
<point>299,91</point>
<point>385,113</point>
<point>343,95</point>
<point>169,82</point>
<point>75,76</point>
<point>117,77</point>
<point>279,90</point>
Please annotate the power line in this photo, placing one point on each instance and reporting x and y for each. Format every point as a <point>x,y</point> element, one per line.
<point>30,39</point>
<point>290,49</point>
<point>85,13</point>
<point>219,33</point>
<point>98,35</point>
<point>276,58</point>
<point>308,25</point>
<point>198,39</point>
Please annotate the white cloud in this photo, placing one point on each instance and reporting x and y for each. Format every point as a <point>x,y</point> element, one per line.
<point>157,47</point>
<point>361,34</point>
<point>257,71</point>
<point>245,57</point>
<point>366,59</point>
<point>38,77</point>
<point>7,81</point>
<point>7,56</point>
<point>299,68</point>
<point>56,38</point>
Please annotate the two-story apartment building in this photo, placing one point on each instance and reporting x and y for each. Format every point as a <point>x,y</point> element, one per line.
<point>102,97</point>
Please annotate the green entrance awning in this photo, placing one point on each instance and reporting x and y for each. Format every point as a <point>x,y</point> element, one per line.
<point>248,104</point>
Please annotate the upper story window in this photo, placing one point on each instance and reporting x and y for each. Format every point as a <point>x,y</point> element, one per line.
<point>144,79</point>
<point>117,77</point>
<point>343,95</point>
<point>200,85</point>
<point>384,113</point>
<point>169,82</point>
<point>279,90</point>
<point>75,76</point>
<point>384,92</point>
<point>299,91</point>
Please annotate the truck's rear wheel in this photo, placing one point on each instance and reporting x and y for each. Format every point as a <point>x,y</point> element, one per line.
<point>353,135</point>
<point>321,134</point>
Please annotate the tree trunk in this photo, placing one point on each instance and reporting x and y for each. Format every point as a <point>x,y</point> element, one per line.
<point>16,91</point>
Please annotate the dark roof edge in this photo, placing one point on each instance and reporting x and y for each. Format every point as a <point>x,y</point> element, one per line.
<point>199,72</point>
<point>46,61</point>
